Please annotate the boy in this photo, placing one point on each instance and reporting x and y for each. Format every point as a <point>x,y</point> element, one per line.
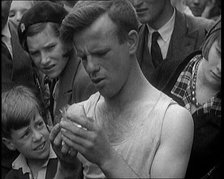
<point>24,129</point>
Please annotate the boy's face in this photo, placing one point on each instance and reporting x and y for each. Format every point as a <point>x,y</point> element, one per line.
<point>33,140</point>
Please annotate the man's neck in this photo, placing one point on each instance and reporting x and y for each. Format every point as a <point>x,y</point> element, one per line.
<point>132,91</point>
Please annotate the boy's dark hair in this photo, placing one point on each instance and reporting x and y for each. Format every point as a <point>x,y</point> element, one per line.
<point>19,105</point>
<point>84,13</point>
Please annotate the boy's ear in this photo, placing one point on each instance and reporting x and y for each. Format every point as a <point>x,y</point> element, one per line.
<point>133,41</point>
<point>8,143</point>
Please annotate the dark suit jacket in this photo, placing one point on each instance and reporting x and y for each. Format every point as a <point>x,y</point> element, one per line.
<point>19,69</point>
<point>74,85</point>
<point>188,35</point>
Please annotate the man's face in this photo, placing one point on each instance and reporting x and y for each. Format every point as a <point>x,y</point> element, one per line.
<point>104,58</point>
<point>197,6</point>
<point>5,11</point>
<point>46,51</point>
<point>149,11</point>
<point>32,140</point>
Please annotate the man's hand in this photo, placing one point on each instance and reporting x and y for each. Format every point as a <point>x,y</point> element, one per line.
<point>86,136</point>
<point>68,159</point>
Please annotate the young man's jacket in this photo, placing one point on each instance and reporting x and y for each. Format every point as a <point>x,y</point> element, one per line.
<point>74,86</point>
<point>188,34</point>
<point>17,69</point>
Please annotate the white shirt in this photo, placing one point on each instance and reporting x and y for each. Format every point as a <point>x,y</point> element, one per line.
<point>20,162</point>
<point>6,38</point>
<point>165,35</point>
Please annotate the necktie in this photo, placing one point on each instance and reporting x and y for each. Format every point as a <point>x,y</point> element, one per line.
<point>157,57</point>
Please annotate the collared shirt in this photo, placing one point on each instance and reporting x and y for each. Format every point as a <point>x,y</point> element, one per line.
<point>20,162</point>
<point>182,89</point>
<point>165,35</point>
<point>6,38</point>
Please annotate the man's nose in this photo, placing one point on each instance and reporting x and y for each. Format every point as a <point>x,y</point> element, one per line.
<point>91,66</point>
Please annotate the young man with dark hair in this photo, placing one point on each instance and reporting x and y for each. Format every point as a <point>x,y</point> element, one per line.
<point>128,129</point>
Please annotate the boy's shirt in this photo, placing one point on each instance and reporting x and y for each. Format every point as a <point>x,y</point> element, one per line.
<point>20,162</point>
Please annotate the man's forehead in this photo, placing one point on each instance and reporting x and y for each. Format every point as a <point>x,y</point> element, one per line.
<point>99,32</point>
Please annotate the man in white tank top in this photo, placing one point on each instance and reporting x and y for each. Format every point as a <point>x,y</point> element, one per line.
<point>128,129</point>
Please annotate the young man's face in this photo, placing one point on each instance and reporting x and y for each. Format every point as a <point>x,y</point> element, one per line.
<point>105,59</point>
<point>149,11</point>
<point>46,51</point>
<point>33,140</point>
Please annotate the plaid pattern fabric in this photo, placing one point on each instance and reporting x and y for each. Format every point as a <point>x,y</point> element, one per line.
<point>182,90</point>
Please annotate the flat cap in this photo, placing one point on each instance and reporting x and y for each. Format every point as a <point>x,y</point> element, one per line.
<point>43,11</point>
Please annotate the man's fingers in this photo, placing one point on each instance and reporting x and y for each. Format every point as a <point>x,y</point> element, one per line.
<point>55,136</point>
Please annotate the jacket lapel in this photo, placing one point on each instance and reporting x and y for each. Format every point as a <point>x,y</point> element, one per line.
<point>66,83</point>
<point>183,39</point>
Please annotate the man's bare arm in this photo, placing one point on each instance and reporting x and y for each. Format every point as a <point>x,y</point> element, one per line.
<point>173,154</point>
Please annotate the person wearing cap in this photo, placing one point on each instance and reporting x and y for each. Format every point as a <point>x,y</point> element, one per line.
<point>196,85</point>
<point>40,37</point>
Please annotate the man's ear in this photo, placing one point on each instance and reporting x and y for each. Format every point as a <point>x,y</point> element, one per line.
<point>133,41</point>
<point>8,143</point>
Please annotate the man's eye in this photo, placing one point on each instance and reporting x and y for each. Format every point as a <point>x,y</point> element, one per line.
<point>50,47</point>
<point>34,54</point>
<point>100,54</point>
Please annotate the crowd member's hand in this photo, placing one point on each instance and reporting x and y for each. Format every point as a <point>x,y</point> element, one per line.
<point>86,136</point>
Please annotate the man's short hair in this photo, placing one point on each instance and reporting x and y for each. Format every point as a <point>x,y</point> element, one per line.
<point>84,13</point>
<point>19,105</point>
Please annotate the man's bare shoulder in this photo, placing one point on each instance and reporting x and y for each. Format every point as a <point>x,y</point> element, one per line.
<point>178,123</point>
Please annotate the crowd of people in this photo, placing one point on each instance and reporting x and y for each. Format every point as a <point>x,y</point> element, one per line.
<point>111,89</point>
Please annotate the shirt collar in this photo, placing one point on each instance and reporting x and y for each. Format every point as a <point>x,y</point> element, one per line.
<point>167,29</point>
<point>20,162</point>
